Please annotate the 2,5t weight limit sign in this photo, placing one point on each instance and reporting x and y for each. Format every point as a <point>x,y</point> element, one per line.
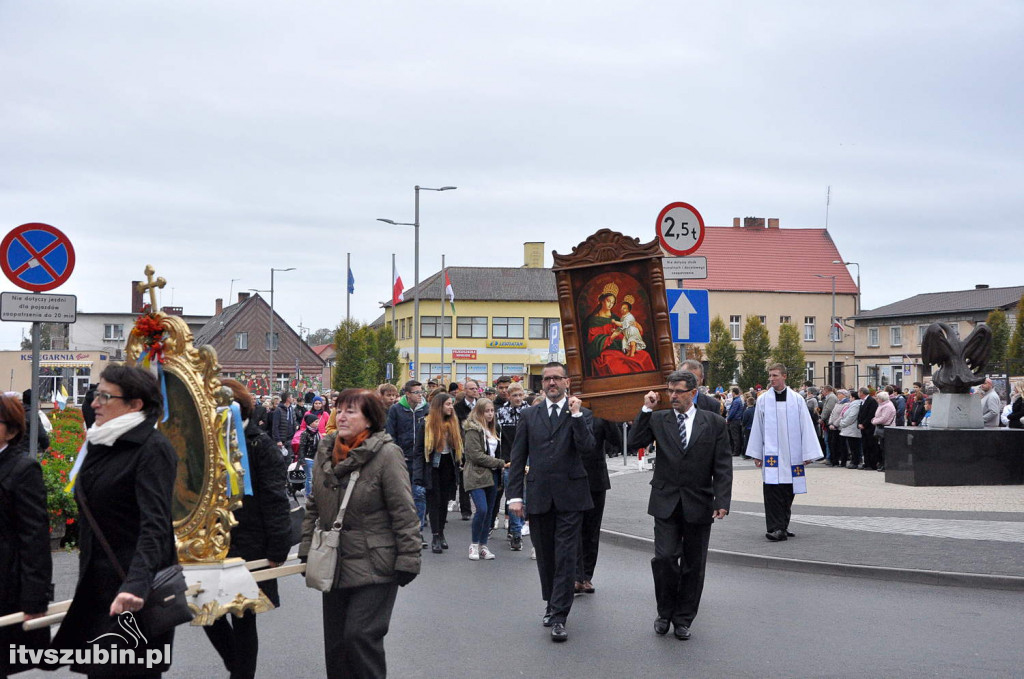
<point>680,229</point>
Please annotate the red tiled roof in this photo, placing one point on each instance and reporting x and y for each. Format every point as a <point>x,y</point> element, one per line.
<point>321,348</point>
<point>775,260</point>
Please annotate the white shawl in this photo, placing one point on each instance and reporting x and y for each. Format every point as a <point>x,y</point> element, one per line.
<point>783,448</point>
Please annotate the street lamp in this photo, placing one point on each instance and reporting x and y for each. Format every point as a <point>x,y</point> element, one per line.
<point>836,261</point>
<point>416,275</point>
<point>273,344</point>
<point>832,330</point>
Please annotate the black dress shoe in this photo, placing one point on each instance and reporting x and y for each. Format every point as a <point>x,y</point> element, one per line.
<point>682,632</point>
<point>467,517</point>
<point>558,632</point>
<point>546,620</point>
<point>776,535</point>
<point>435,547</point>
<point>444,543</point>
<point>661,626</point>
<point>790,534</point>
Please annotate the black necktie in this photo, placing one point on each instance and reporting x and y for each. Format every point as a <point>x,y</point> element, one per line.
<point>554,413</point>
<point>682,429</point>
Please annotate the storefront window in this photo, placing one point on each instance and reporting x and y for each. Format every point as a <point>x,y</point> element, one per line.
<point>476,371</point>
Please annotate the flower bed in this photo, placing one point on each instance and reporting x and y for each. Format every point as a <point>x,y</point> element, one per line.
<point>65,441</point>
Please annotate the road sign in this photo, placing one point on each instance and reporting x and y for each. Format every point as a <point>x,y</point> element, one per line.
<point>680,229</point>
<point>18,306</point>
<point>685,267</point>
<point>689,316</point>
<point>37,257</point>
<point>556,332</point>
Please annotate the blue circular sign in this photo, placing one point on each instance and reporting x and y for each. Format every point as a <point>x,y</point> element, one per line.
<point>37,257</point>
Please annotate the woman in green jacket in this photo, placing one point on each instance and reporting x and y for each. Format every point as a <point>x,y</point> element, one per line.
<point>380,539</point>
<point>481,472</point>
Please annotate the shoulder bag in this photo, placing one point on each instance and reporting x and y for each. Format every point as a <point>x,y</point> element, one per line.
<point>166,606</point>
<point>322,561</point>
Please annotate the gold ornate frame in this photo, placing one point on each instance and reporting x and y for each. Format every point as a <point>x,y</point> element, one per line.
<point>204,534</point>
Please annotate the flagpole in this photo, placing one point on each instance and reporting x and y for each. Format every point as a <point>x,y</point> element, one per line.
<point>348,287</point>
<point>394,325</point>
<point>443,364</point>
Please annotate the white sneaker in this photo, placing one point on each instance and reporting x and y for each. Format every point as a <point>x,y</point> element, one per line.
<point>485,553</point>
<point>533,553</point>
<point>497,523</point>
<point>474,552</point>
<point>452,505</point>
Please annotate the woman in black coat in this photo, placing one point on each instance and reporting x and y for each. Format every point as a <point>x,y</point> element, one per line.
<point>25,565</point>
<point>126,481</point>
<point>263,532</point>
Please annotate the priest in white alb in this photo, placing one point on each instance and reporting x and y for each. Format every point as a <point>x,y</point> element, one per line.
<point>782,439</point>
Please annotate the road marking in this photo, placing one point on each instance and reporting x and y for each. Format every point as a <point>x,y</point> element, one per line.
<point>959,529</point>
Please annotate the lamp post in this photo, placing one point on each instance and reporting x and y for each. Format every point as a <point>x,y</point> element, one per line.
<point>832,330</point>
<point>416,275</point>
<point>272,343</point>
<point>836,261</point>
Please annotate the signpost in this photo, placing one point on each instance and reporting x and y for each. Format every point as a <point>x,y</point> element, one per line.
<point>556,333</point>
<point>685,268</point>
<point>689,316</point>
<point>37,257</point>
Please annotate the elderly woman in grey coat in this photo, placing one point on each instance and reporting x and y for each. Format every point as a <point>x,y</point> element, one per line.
<point>380,539</point>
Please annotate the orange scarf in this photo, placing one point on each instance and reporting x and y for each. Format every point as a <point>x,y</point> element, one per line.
<point>342,449</point>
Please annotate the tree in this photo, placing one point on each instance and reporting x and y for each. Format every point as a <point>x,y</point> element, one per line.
<point>321,336</point>
<point>383,350</point>
<point>996,322</point>
<point>757,348</point>
<point>52,337</point>
<point>1015,349</point>
<point>352,368</point>
<point>789,353</point>
<point>722,361</point>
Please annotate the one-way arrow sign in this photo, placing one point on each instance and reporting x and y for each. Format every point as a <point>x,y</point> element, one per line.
<point>689,316</point>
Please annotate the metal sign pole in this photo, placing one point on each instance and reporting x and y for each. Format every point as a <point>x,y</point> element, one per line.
<point>33,426</point>
<point>625,447</point>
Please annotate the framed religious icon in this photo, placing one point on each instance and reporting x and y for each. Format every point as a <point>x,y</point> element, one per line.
<point>615,325</point>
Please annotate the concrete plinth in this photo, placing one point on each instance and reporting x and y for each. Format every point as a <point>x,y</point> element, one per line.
<point>956,411</point>
<point>926,456</point>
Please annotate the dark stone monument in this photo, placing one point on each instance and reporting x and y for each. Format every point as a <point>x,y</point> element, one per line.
<point>955,449</point>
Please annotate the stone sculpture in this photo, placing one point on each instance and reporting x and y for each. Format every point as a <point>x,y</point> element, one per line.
<point>961,362</point>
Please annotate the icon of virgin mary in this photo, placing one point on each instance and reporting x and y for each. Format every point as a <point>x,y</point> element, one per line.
<point>614,341</point>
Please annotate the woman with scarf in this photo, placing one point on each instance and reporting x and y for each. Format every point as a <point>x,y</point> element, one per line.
<point>125,480</point>
<point>439,451</point>
<point>379,546</point>
<point>482,473</point>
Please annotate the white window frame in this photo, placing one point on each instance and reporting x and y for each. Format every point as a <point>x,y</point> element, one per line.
<point>734,328</point>
<point>872,337</point>
<point>113,331</point>
<point>810,328</point>
<point>809,371</point>
<point>896,336</point>
<point>785,319</point>
<point>241,341</point>
<point>433,322</point>
<point>506,327</point>
<point>477,327</point>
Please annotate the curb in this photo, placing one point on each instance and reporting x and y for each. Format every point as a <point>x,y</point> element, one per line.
<point>922,577</point>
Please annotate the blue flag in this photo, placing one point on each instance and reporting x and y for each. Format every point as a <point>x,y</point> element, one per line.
<point>351,282</point>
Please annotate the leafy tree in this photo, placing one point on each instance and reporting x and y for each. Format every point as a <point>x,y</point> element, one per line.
<point>996,322</point>
<point>757,349</point>
<point>1015,350</point>
<point>321,336</point>
<point>722,361</point>
<point>352,353</point>
<point>383,350</point>
<point>790,353</point>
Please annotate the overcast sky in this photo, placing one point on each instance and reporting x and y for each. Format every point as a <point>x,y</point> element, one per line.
<point>216,140</point>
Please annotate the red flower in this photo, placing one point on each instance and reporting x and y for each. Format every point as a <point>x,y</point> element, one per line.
<point>69,522</point>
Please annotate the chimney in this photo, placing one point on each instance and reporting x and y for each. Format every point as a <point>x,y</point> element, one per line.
<point>736,222</point>
<point>242,296</point>
<point>753,222</point>
<point>136,298</point>
<point>533,255</point>
<point>773,222</point>
<point>218,306</point>
<point>981,286</point>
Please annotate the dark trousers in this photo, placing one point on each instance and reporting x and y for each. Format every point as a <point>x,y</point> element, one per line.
<point>778,505</point>
<point>355,622</point>
<point>499,492</point>
<point>736,437</point>
<point>680,555</point>
<point>442,488</point>
<point>870,445</point>
<point>464,504</point>
<point>555,536</point>
<point>590,538</point>
<point>837,452</point>
<point>237,643</point>
<point>852,450</point>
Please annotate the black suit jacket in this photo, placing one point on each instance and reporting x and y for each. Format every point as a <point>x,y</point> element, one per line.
<point>700,476</point>
<point>867,412</point>
<point>708,403</point>
<point>558,477</point>
<point>606,434</point>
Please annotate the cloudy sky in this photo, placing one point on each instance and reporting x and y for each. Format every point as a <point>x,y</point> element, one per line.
<point>216,140</point>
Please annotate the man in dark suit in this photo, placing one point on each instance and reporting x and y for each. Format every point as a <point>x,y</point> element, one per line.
<point>868,442</point>
<point>692,486</point>
<point>555,435</point>
<point>701,400</point>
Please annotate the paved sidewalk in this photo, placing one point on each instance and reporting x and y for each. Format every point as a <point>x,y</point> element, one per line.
<point>853,518</point>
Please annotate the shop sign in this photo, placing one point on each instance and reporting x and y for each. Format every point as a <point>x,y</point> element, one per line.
<point>463,354</point>
<point>506,344</point>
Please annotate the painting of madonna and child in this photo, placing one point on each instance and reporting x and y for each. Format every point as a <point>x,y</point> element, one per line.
<point>617,324</point>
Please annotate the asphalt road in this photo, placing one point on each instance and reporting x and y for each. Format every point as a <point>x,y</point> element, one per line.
<point>482,619</point>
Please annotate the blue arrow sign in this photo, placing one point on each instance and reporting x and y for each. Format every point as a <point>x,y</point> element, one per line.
<point>688,313</point>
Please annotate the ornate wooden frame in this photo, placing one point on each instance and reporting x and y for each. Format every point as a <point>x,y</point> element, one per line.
<point>616,397</point>
<point>203,535</point>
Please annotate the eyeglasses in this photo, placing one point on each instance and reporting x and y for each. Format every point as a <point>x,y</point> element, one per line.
<point>416,393</point>
<point>679,392</point>
<point>104,398</point>
<point>553,378</point>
